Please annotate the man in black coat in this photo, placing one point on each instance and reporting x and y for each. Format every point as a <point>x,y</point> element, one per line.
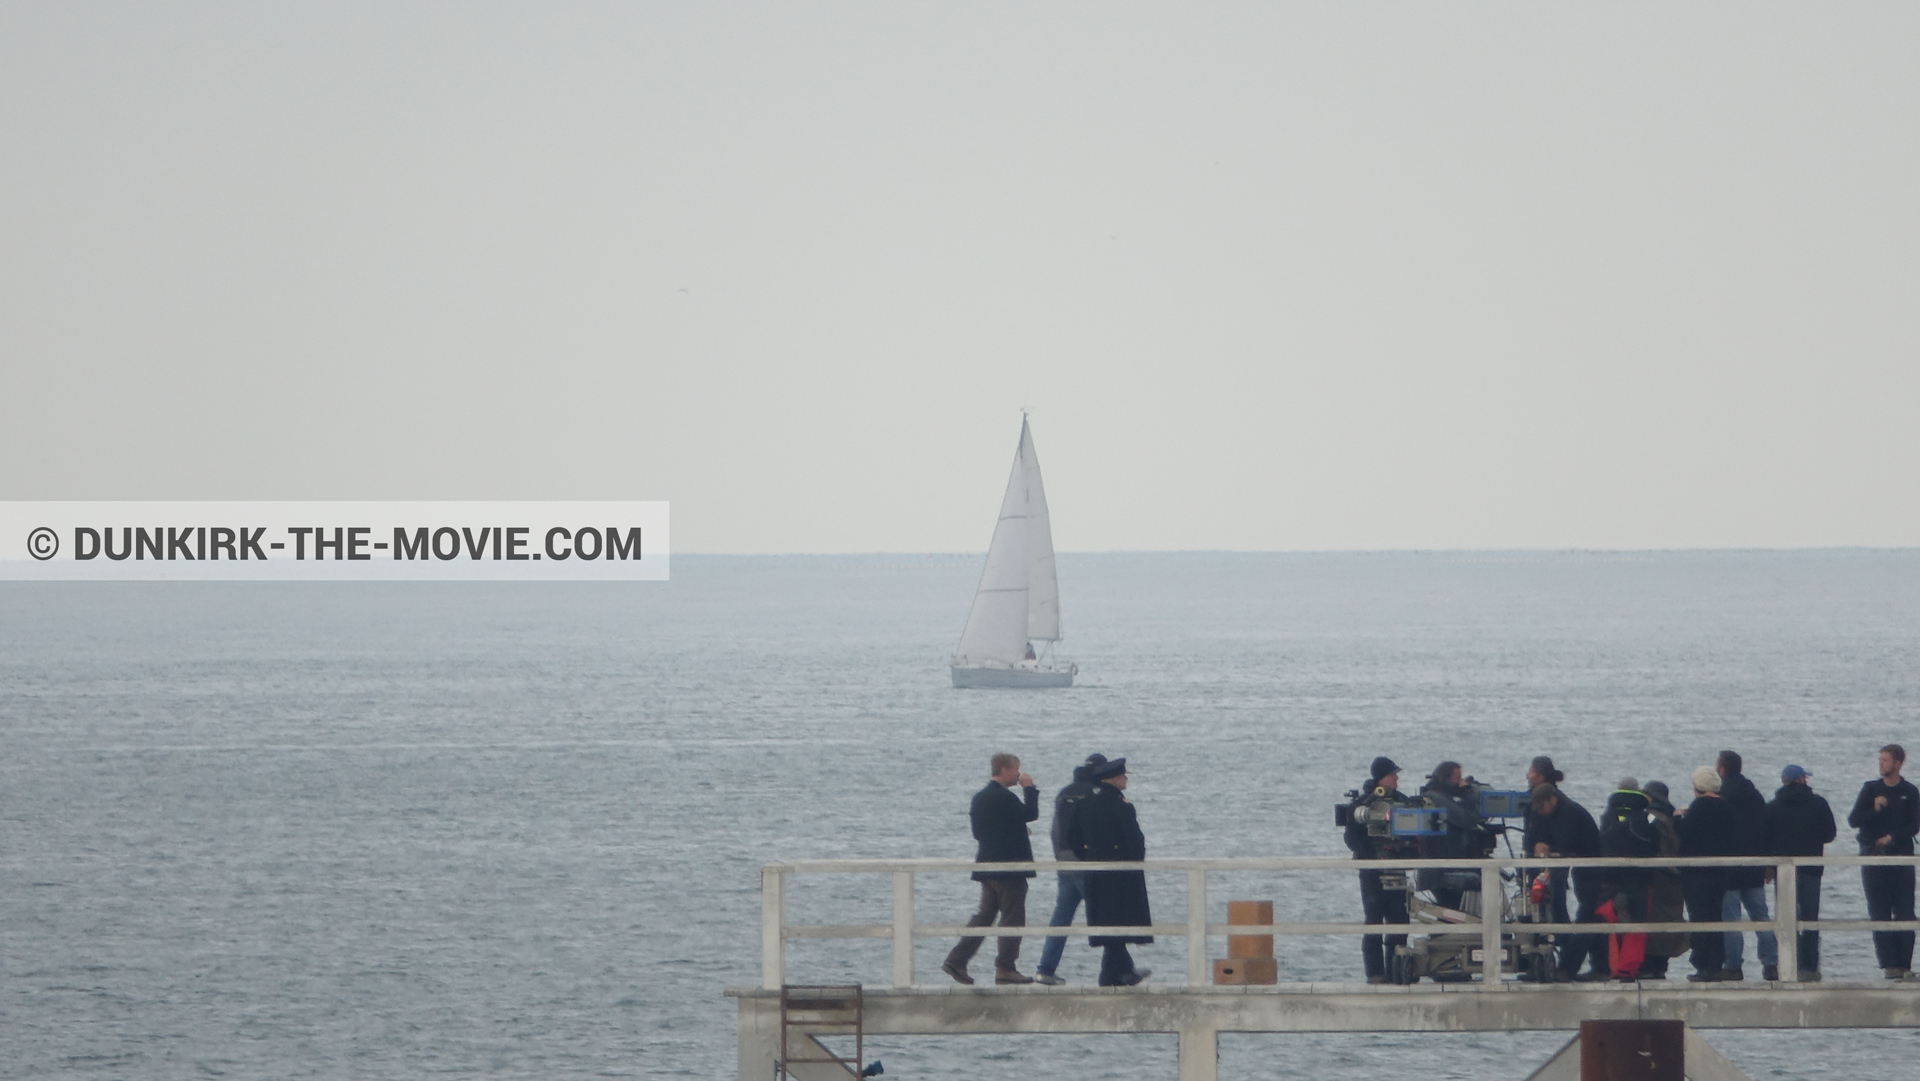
<point>1562,827</point>
<point>1799,823</point>
<point>1000,825</point>
<point>1380,904</point>
<point>1707,828</point>
<point>1746,885</point>
<point>1887,815</point>
<point>1072,889</point>
<point>1105,828</point>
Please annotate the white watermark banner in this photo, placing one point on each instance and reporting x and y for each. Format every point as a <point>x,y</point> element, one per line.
<point>333,541</point>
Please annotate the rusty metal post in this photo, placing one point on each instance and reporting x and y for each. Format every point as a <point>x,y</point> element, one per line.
<point>1633,1050</point>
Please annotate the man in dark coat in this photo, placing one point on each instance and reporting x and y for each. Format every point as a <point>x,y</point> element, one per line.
<point>1799,823</point>
<point>1105,828</point>
<point>1706,828</point>
<point>1746,885</point>
<point>1000,825</point>
<point>1666,903</point>
<point>1073,885</point>
<point>1887,815</point>
<point>1380,904</point>
<point>1563,828</point>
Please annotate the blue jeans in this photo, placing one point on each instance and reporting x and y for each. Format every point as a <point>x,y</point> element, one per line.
<point>1755,898</point>
<point>1073,890</point>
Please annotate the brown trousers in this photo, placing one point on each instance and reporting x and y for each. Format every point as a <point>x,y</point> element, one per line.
<point>1007,899</point>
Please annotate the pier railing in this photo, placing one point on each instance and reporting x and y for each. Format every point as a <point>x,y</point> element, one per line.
<point>902,929</point>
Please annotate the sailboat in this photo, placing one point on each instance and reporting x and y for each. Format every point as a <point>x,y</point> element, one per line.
<point>1018,602</point>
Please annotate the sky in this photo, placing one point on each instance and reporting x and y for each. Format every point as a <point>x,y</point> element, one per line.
<point>1266,277</point>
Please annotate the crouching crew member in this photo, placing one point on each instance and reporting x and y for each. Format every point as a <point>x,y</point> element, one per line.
<point>1627,830</point>
<point>1106,829</point>
<point>1381,904</point>
<point>1665,901</point>
<point>1563,828</point>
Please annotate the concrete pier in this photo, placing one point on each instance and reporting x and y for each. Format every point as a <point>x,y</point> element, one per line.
<point>1199,1014</point>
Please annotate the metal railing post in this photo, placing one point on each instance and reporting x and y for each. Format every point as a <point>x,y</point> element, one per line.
<point>903,928</point>
<point>1492,908</point>
<point>1786,918</point>
<point>773,928</point>
<point>1196,928</point>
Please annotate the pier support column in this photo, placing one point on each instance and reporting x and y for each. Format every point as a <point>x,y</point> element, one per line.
<point>1199,1053</point>
<point>759,1040</point>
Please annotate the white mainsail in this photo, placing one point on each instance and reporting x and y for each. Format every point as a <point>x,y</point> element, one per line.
<point>1019,596</point>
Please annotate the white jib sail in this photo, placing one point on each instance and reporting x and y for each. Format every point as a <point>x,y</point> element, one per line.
<point>1005,614</point>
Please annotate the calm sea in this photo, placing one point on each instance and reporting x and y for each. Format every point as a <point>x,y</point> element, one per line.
<point>365,830</point>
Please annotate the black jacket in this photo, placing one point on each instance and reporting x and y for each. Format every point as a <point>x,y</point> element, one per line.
<point>1628,832</point>
<point>1749,828</point>
<point>1569,831</point>
<point>1000,825</point>
<point>1065,802</point>
<point>1798,822</point>
<point>1707,829</point>
<point>1899,820</point>
<point>1106,827</point>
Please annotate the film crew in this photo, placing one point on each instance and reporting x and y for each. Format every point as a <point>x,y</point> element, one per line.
<point>1706,828</point>
<point>1468,836</point>
<point>1073,885</point>
<point>1665,901</point>
<point>1000,826</point>
<point>1746,886</point>
<point>1799,823</point>
<point>1627,831</point>
<point>1380,904</point>
<point>1564,829</point>
<point>1106,828</point>
<point>1540,771</point>
<point>1887,815</point>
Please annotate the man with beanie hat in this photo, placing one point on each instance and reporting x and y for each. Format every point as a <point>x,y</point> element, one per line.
<point>1381,904</point>
<point>1799,823</point>
<point>1707,828</point>
<point>1072,888</point>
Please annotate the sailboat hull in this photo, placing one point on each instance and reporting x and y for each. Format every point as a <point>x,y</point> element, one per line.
<point>1013,678</point>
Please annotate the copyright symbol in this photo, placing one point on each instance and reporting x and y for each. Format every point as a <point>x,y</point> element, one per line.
<point>43,543</point>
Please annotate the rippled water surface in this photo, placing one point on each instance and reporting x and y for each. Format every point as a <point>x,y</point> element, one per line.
<point>490,830</point>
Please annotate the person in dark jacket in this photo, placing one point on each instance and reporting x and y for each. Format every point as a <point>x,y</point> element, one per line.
<point>1467,836</point>
<point>1665,901</point>
<point>1540,771</point>
<point>1627,831</point>
<point>1106,828</point>
<point>1073,885</point>
<point>1563,828</point>
<point>1887,815</point>
<point>1000,826</point>
<point>1799,823</point>
<point>1706,828</point>
<point>1746,885</point>
<point>1381,904</point>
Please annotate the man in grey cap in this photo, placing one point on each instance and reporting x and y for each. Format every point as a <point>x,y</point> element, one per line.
<point>1799,822</point>
<point>1073,885</point>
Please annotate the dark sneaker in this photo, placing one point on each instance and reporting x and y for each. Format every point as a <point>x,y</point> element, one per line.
<point>1732,974</point>
<point>1135,976</point>
<point>1047,979</point>
<point>1562,977</point>
<point>1810,977</point>
<point>1704,977</point>
<point>1895,973</point>
<point>1009,975</point>
<point>1377,979</point>
<point>1593,977</point>
<point>1770,973</point>
<point>958,972</point>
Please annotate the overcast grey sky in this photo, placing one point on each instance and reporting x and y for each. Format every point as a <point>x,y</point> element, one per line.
<point>1267,276</point>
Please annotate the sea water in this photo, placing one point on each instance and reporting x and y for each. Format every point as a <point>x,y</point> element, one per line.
<point>364,830</point>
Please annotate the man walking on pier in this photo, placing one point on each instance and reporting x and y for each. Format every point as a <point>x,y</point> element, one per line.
<point>1887,814</point>
<point>1073,885</point>
<point>1106,829</point>
<point>1000,825</point>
